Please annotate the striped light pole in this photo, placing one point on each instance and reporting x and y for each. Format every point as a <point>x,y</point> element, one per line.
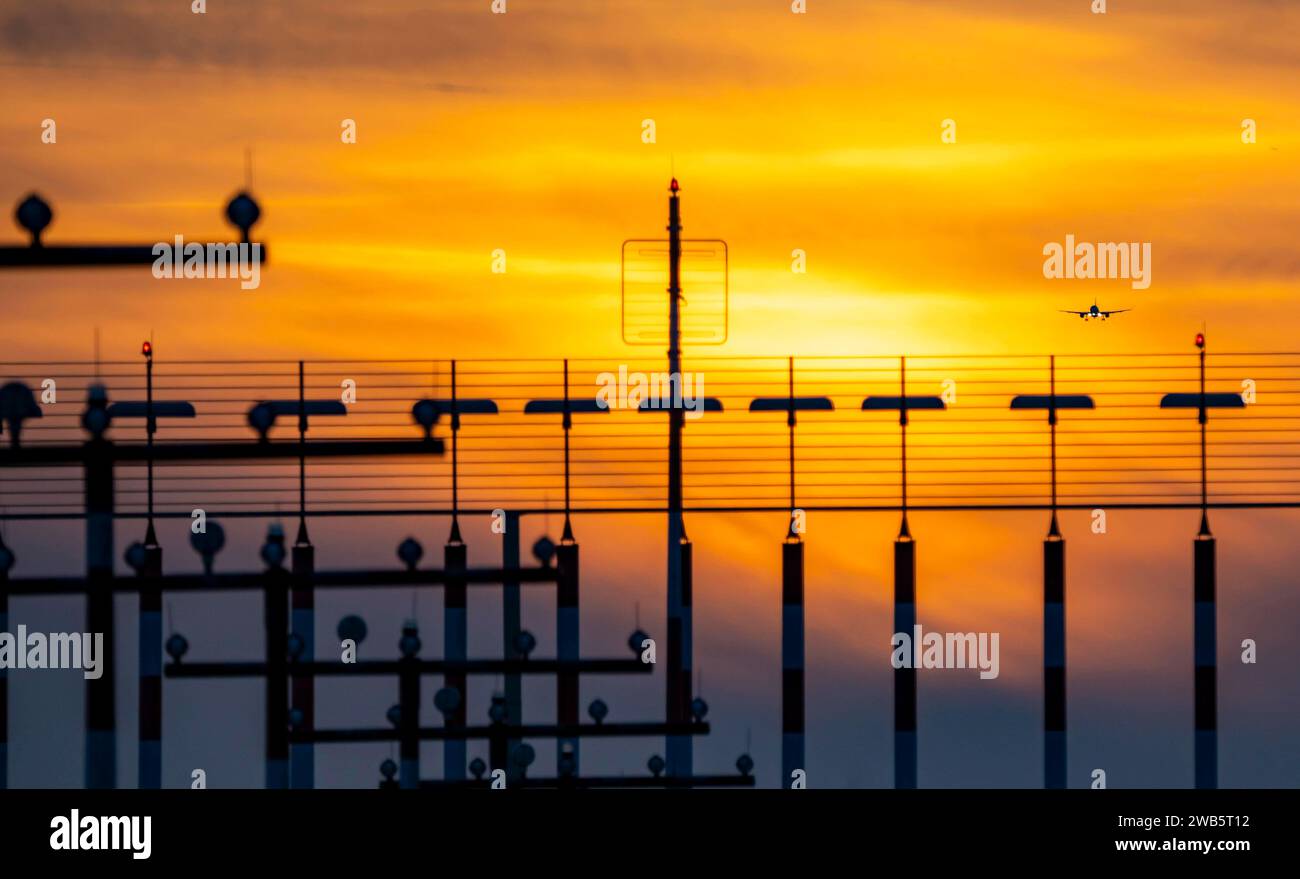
<point>150,624</point>
<point>302,571</point>
<point>408,689</point>
<point>566,615</point>
<point>455,635</point>
<point>1205,668</point>
<point>17,404</point>
<point>1054,740</point>
<point>511,623</point>
<point>151,640</point>
<point>455,599</point>
<point>566,555</point>
<point>905,771</point>
<point>1205,663</point>
<point>101,702</point>
<point>566,632</point>
<point>146,559</point>
<point>792,592</point>
<point>455,558</point>
<point>302,756</point>
<point>275,615</point>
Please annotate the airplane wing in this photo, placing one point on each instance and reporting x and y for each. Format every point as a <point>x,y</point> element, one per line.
<point>1116,311</point>
<point>1067,311</point>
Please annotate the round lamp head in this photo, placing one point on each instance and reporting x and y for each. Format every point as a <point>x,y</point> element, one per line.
<point>34,214</point>
<point>447,700</point>
<point>544,550</point>
<point>261,419</point>
<point>409,643</point>
<point>177,646</point>
<point>243,212</point>
<point>352,628</point>
<point>523,755</point>
<point>409,551</point>
<point>135,556</point>
<point>209,541</point>
<point>525,643</point>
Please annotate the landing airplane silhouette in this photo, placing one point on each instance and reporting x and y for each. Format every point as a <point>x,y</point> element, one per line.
<point>1095,312</point>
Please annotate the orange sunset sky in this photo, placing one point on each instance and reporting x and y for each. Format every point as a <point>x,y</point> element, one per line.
<point>817,131</point>
<point>522,132</point>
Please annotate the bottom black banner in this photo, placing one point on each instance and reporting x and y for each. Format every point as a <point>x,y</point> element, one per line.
<point>520,828</point>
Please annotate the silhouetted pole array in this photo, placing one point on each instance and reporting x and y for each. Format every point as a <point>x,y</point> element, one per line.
<point>283,657</point>
<point>98,456</point>
<point>284,661</point>
<point>404,717</point>
<point>1055,762</point>
<point>289,657</point>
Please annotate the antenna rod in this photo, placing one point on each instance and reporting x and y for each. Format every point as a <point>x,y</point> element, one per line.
<point>302,457</point>
<point>1051,420</point>
<point>567,536</point>
<point>790,423</point>
<point>902,422</point>
<point>150,539</point>
<point>678,748</point>
<point>455,460</point>
<point>1204,424</point>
